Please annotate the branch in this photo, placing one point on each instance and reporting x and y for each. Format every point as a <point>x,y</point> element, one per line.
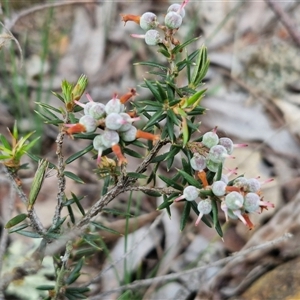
<point>28,11</point>
<point>36,223</point>
<point>100,274</point>
<point>16,41</point>
<point>60,175</point>
<point>6,217</point>
<point>159,279</point>
<point>121,186</point>
<point>164,191</point>
<point>285,20</point>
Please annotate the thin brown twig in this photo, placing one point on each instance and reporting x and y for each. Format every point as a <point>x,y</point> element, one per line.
<point>240,255</point>
<point>60,175</point>
<point>36,223</point>
<point>100,274</point>
<point>10,23</point>
<point>286,20</point>
<point>17,43</point>
<point>4,234</point>
<point>122,185</point>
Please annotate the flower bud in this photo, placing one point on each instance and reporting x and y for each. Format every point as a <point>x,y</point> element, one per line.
<point>173,20</point>
<point>212,166</point>
<point>217,154</point>
<point>79,88</point>
<point>110,138</point>
<point>99,146</point>
<point>114,106</point>
<point>198,162</point>
<point>148,21</point>
<point>210,139</point>
<point>86,124</point>
<point>152,37</point>
<point>177,8</point>
<point>251,202</point>
<point>89,123</point>
<point>126,122</point>
<point>234,200</point>
<point>129,135</point>
<point>113,121</point>
<point>227,144</point>
<point>140,134</point>
<point>253,185</point>
<point>204,207</point>
<point>190,193</point>
<point>97,110</point>
<point>219,188</point>
<point>240,182</point>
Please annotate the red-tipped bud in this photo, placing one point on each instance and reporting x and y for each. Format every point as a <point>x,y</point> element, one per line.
<point>248,222</point>
<point>117,151</point>
<point>147,135</point>
<point>127,96</point>
<point>202,177</point>
<point>86,124</point>
<point>133,18</point>
<point>129,135</point>
<point>75,128</point>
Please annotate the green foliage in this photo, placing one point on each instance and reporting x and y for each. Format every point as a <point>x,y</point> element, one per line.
<point>13,152</point>
<point>172,113</point>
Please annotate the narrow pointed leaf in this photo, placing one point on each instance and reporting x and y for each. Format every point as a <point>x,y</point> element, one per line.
<point>151,64</point>
<point>178,48</point>
<point>154,90</point>
<point>5,142</point>
<point>185,214</point>
<point>171,183</point>
<point>77,201</point>
<point>137,175</point>
<point>30,234</point>
<point>49,107</point>
<point>71,214</point>
<point>15,220</point>
<point>37,183</point>
<point>132,153</point>
<point>155,119</point>
<point>104,228</point>
<point>17,228</point>
<point>78,154</point>
<point>191,180</point>
<point>152,193</point>
<point>73,176</point>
